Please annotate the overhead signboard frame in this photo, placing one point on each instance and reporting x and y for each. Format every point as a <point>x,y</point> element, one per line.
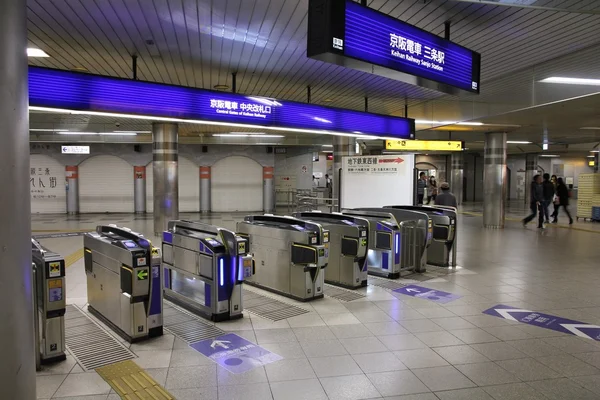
<point>345,33</point>
<point>424,145</point>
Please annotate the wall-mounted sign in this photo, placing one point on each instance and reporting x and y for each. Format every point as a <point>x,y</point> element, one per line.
<point>75,149</point>
<point>77,91</point>
<point>424,145</point>
<point>591,163</point>
<point>280,150</point>
<point>345,33</point>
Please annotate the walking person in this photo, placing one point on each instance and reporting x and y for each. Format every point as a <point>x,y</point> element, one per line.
<point>549,191</point>
<point>421,185</point>
<point>537,202</point>
<point>563,200</point>
<point>553,179</point>
<point>446,198</point>
<point>432,189</point>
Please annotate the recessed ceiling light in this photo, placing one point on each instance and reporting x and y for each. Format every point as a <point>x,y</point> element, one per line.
<point>327,145</point>
<point>517,142</point>
<point>238,135</point>
<point>32,52</point>
<point>545,146</point>
<point>591,156</point>
<point>427,122</point>
<point>549,155</point>
<point>47,130</point>
<point>594,151</point>
<point>572,81</point>
<point>221,87</point>
<point>132,131</point>
<point>591,127</point>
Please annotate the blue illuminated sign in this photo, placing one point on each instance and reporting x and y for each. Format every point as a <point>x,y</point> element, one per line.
<point>79,91</point>
<point>358,37</point>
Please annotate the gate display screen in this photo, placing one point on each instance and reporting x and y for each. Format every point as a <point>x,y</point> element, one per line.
<point>345,33</point>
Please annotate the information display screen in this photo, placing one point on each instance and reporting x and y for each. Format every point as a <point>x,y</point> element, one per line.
<point>349,34</point>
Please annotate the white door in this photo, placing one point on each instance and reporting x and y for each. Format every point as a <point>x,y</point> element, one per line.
<point>105,185</point>
<point>189,186</point>
<point>47,185</point>
<point>236,185</point>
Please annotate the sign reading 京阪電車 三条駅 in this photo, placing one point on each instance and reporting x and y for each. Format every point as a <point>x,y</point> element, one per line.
<point>345,33</point>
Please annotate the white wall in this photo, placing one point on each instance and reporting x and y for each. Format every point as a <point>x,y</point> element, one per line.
<point>47,185</point>
<point>105,185</point>
<point>296,162</point>
<point>236,185</point>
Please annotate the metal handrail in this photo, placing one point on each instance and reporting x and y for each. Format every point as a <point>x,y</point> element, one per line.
<point>311,203</point>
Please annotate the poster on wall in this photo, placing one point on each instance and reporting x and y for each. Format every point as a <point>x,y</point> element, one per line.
<point>47,185</point>
<point>375,181</point>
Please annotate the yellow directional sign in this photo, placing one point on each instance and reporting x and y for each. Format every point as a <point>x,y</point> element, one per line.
<point>423,145</point>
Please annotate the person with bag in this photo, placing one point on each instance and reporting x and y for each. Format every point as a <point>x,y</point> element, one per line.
<point>562,192</point>
<point>432,190</point>
<point>548,196</point>
<point>537,202</point>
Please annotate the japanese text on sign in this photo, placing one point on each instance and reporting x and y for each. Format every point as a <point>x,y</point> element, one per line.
<point>244,109</point>
<point>40,179</point>
<point>415,52</point>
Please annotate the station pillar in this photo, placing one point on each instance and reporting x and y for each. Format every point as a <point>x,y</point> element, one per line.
<point>494,180</point>
<point>342,146</point>
<point>139,189</point>
<point>205,189</point>
<point>268,190</point>
<point>17,367</point>
<point>165,174</point>
<point>457,168</point>
<point>72,187</point>
<point>531,169</point>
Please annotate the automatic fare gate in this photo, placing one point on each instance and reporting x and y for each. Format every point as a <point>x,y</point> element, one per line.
<point>393,244</point>
<point>204,268</point>
<point>443,220</point>
<point>348,244</point>
<point>49,306</point>
<point>289,255</point>
<point>123,281</point>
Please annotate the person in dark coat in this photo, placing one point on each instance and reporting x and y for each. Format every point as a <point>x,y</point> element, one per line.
<point>537,202</point>
<point>548,195</point>
<point>563,200</point>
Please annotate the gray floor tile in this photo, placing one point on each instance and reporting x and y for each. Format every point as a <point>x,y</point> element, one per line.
<point>164,342</point>
<point>421,325</point>
<point>443,378</point>
<point>61,368</point>
<point>420,358</point>
<point>590,358</point>
<point>323,348</point>
<point>47,385</point>
<point>350,331</point>
<point>289,370</point>
<point>335,366</point>
<point>264,336</point>
<point>159,375</point>
<point>255,375</point>
<point>464,310</point>
<point>562,389</point>
<point>153,358</point>
<point>188,357</point>
<point>92,397</point>
<point>508,333</point>
<point>305,320</point>
<point>591,383</point>
<point>378,362</point>
<point>420,396</point>
<point>460,354</point>
<point>488,373</point>
<point>385,328</point>
<point>405,314</point>
<point>352,387</point>
<point>364,345</point>
<point>372,316</point>
<point>204,393</point>
<point>451,323</point>
<point>286,350</point>
<point>464,394</point>
<point>402,342</point>
<point>340,319</point>
<point>474,335</point>
<point>397,383</point>
<point>252,391</point>
<point>528,369</point>
<point>484,321</point>
<point>514,391</point>
<point>437,339</point>
<point>498,351</point>
<point>310,389</point>
<point>567,365</point>
<point>82,385</point>
<point>313,333</point>
<point>535,347</point>
<point>436,312</point>
<point>191,377</point>
<point>572,344</point>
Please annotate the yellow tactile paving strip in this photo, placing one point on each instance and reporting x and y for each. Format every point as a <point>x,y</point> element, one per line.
<point>73,258</point>
<point>132,383</point>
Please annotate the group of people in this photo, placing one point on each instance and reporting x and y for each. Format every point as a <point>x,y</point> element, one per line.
<point>445,198</point>
<point>546,190</point>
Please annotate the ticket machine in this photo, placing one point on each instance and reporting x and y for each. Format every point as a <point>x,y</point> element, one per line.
<point>124,281</point>
<point>204,268</point>
<point>289,255</point>
<point>49,280</point>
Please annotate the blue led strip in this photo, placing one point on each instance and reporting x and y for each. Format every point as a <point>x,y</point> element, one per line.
<point>77,91</point>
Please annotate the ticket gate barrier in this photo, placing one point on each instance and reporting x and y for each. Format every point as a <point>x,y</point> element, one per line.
<point>204,268</point>
<point>443,222</point>
<point>348,245</point>
<point>289,255</point>
<point>49,305</point>
<point>124,281</point>
<point>393,245</point>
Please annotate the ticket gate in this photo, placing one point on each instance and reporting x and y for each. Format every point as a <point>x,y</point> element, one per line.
<point>123,281</point>
<point>393,245</point>
<point>204,268</point>
<point>443,222</point>
<point>348,245</point>
<point>49,306</point>
<point>289,255</point>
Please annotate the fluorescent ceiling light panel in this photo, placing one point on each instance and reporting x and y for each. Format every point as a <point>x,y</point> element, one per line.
<point>572,81</point>
<point>549,155</point>
<point>594,151</point>
<point>238,135</point>
<point>591,156</point>
<point>427,122</point>
<point>545,146</point>
<point>132,131</point>
<point>246,133</point>
<point>590,128</point>
<point>98,133</point>
<point>517,142</point>
<point>327,145</point>
<point>31,52</point>
<point>47,130</point>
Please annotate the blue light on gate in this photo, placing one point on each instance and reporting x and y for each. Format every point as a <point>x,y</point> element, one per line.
<point>221,278</point>
<point>397,243</point>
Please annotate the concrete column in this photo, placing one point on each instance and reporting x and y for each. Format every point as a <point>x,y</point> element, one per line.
<point>342,146</point>
<point>457,168</point>
<point>531,169</point>
<point>17,366</point>
<point>139,189</point>
<point>205,189</point>
<point>72,176</point>
<point>165,174</point>
<point>268,190</point>
<point>494,180</point>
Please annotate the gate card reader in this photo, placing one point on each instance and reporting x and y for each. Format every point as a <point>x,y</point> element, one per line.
<point>443,222</point>
<point>348,245</point>
<point>289,255</point>
<point>50,307</point>
<point>204,268</point>
<point>123,281</point>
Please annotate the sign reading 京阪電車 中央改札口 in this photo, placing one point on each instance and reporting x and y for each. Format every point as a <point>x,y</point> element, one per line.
<point>346,33</point>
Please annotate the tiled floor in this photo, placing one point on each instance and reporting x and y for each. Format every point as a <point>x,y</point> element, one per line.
<point>384,346</point>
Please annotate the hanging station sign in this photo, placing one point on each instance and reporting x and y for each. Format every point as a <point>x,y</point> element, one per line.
<point>424,145</point>
<point>346,33</point>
